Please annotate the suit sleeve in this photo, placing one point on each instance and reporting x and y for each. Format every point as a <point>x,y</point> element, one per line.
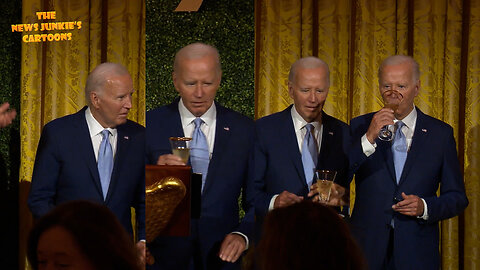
<point>247,223</point>
<point>356,157</point>
<point>45,175</point>
<point>452,199</point>
<point>344,178</point>
<point>259,161</point>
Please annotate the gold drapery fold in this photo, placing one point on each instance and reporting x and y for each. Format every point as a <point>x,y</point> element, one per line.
<point>53,74</point>
<point>472,141</point>
<point>353,37</point>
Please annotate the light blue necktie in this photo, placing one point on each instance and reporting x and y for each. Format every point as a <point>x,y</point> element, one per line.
<point>199,154</point>
<point>105,162</point>
<point>399,150</point>
<point>309,155</point>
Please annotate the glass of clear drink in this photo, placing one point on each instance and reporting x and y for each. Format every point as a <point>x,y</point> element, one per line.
<point>391,99</point>
<point>325,180</point>
<point>181,147</point>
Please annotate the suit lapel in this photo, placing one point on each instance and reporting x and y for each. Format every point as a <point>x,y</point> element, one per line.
<point>328,139</point>
<point>222,136</point>
<point>418,141</point>
<point>291,144</point>
<point>177,129</point>
<point>86,149</point>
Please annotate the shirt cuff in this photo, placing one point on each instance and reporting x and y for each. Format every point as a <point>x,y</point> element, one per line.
<point>272,202</point>
<point>425,211</point>
<point>245,237</point>
<point>367,147</point>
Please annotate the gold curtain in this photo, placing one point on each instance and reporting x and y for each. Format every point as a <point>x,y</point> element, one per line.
<point>53,74</point>
<point>353,36</point>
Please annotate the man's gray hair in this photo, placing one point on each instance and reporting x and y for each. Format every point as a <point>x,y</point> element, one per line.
<point>308,63</point>
<point>400,59</point>
<point>100,75</point>
<point>195,51</point>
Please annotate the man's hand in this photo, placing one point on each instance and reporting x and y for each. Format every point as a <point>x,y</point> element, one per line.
<point>141,251</point>
<point>382,118</point>
<point>6,116</point>
<point>232,247</point>
<point>169,159</point>
<point>411,205</point>
<point>285,199</point>
<point>338,195</point>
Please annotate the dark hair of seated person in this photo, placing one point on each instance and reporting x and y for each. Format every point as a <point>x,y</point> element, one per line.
<point>93,231</point>
<point>307,235</point>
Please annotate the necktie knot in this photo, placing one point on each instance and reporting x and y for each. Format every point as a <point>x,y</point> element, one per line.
<point>399,124</point>
<point>309,127</point>
<point>105,134</point>
<point>198,122</point>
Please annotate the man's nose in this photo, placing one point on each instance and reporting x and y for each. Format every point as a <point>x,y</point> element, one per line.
<point>128,102</point>
<point>312,97</point>
<point>198,92</point>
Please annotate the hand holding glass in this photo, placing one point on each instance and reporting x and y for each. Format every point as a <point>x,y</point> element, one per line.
<point>392,100</point>
<point>325,179</point>
<point>181,147</point>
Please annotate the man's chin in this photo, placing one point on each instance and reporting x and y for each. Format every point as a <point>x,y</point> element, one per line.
<point>312,116</point>
<point>198,111</point>
<point>121,121</point>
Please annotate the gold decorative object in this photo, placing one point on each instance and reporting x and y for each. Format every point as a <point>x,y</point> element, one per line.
<point>162,197</point>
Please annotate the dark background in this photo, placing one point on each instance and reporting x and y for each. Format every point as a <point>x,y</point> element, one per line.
<point>226,24</point>
<point>10,57</point>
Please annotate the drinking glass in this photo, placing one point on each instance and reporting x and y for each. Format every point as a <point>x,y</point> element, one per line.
<point>325,180</point>
<point>391,99</point>
<point>181,147</point>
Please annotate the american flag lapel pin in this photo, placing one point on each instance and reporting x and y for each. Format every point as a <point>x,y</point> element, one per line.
<point>125,137</point>
<point>424,130</point>
<point>330,133</point>
<point>226,128</point>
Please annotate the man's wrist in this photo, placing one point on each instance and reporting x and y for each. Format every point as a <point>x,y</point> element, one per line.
<point>271,206</point>
<point>367,147</point>
<point>424,216</point>
<point>247,243</point>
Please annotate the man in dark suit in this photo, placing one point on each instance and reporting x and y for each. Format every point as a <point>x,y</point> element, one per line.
<point>217,238</point>
<point>95,154</point>
<point>283,170</point>
<point>396,213</point>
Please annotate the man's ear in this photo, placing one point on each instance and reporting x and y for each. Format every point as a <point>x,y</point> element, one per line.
<point>94,99</point>
<point>290,89</point>
<point>417,88</point>
<point>174,80</point>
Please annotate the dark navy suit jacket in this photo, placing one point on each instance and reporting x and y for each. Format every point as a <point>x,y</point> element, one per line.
<point>278,162</point>
<point>227,176</point>
<point>65,169</point>
<point>431,162</point>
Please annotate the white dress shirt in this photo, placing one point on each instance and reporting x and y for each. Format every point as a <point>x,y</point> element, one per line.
<point>95,130</point>
<point>299,126</point>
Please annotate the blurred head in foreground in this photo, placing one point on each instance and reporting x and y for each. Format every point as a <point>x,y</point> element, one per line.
<point>80,235</point>
<point>307,235</point>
